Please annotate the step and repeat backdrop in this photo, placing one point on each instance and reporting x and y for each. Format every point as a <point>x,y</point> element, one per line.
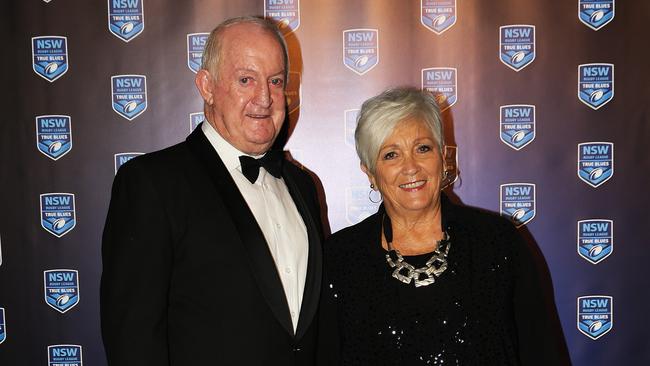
<point>547,117</point>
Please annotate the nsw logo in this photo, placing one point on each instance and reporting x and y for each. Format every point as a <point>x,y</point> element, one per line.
<point>195,46</point>
<point>350,125</point>
<point>595,162</point>
<point>50,56</point>
<point>286,13</point>
<point>3,326</point>
<point>443,84</point>
<point>64,355</point>
<point>57,213</point>
<point>595,315</point>
<point>122,158</point>
<point>595,14</point>
<point>61,289</point>
<point>129,93</point>
<point>517,45</point>
<point>595,84</point>
<point>360,49</point>
<point>294,91</point>
<point>53,135</point>
<point>358,205</point>
<point>595,239</point>
<point>196,119</point>
<point>438,15</point>
<point>517,125</point>
<point>518,202</point>
<point>125,18</point>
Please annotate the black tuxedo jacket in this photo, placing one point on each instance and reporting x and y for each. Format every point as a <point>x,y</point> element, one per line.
<point>188,278</point>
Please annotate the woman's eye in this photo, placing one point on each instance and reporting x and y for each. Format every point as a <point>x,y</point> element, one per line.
<point>390,155</point>
<point>424,148</point>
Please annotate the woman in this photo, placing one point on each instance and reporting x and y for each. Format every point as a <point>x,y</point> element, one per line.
<point>423,281</point>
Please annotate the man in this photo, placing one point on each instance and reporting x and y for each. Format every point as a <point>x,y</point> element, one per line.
<point>208,261</point>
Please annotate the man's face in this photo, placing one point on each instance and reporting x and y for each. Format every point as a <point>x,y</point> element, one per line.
<point>248,105</point>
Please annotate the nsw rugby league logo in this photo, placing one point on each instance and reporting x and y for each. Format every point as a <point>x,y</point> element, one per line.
<point>61,289</point>
<point>438,15</point>
<point>595,239</point>
<point>358,205</point>
<point>517,45</point>
<point>595,14</point>
<point>122,158</point>
<point>442,82</point>
<point>595,315</point>
<point>196,119</point>
<point>58,213</point>
<point>518,202</point>
<point>50,56</point>
<point>360,49</point>
<point>595,162</point>
<point>129,93</point>
<point>53,135</point>
<point>64,355</point>
<point>125,18</point>
<point>286,14</point>
<point>595,84</point>
<point>195,46</point>
<point>517,125</point>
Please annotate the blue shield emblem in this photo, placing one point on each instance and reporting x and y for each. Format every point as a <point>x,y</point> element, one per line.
<point>129,95</point>
<point>195,120</point>
<point>595,239</point>
<point>517,125</point>
<point>595,315</point>
<point>57,213</point>
<point>517,45</point>
<point>50,56</point>
<point>595,84</point>
<point>294,91</point>
<point>595,14</point>
<point>286,14</point>
<point>64,355</point>
<point>195,47</point>
<point>122,158</point>
<point>61,289</point>
<point>438,15</point>
<point>53,135</point>
<point>360,49</point>
<point>358,205</point>
<point>3,328</point>
<point>518,202</point>
<point>350,125</point>
<point>125,18</point>
<point>595,162</point>
<point>443,84</point>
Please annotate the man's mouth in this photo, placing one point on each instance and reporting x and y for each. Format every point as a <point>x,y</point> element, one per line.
<point>258,116</point>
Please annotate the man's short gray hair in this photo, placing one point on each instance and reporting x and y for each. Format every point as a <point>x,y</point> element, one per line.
<point>212,52</point>
<point>380,115</point>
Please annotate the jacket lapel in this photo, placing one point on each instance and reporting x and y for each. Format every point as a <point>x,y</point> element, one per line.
<point>262,265</point>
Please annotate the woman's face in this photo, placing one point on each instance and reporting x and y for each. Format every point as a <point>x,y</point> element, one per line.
<point>408,172</point>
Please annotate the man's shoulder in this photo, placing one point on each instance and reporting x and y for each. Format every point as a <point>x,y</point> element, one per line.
<point>162,162</point>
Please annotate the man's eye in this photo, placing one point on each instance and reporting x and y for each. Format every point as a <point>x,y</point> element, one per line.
<point>245,80</point>
<point>277,82</point>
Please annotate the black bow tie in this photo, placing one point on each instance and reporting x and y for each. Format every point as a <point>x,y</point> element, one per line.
<point>272,162</point>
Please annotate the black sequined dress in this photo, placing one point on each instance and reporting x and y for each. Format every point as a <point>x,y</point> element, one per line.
<point>487,308</point>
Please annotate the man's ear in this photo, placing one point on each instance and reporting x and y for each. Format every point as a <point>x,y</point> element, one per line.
<point>371,177</point>
<point>203,81</point>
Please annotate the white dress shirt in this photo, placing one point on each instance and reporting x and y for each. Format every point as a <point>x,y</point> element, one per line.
<point>277,216</point>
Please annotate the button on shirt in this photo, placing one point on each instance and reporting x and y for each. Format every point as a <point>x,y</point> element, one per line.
<point>277,216</point>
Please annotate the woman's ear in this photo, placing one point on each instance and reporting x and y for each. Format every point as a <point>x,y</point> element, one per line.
<point>371,177</point>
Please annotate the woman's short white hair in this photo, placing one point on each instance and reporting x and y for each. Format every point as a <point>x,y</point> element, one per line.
<point>380,115</point>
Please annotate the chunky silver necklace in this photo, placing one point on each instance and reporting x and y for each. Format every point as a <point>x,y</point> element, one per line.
<point>406,272</point>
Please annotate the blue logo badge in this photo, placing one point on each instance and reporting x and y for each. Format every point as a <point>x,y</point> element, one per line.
<point>595,84</point>
<point>595,162</point>
<point>595,14</point>
<point>125,18</point>
<point>595,239</point>
<point>360,49</point>
<point>50,54</point>
<point>64,355</point>
<point>129,95</point>
<point>195,47</point>
<point>285,12</point>
<point>294,91</point>
<point>350,124</point>
<point>595,315</point>
<point>195,120</point>
<point>57,213</point>
<point>61,289</point>
<point>3,327</point>
<point>438,15</point>
<point>443,84</point>
<point>358,205</point>
<point>53,135</point>
<point>517,45</point>
<point>518,202</point>
<point>122,158</point>
<point>517,125</point>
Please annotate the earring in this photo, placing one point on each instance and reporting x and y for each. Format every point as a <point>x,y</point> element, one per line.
<point>372,189</point>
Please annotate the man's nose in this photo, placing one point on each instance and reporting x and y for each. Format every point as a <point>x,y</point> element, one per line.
<point>262,96</point>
